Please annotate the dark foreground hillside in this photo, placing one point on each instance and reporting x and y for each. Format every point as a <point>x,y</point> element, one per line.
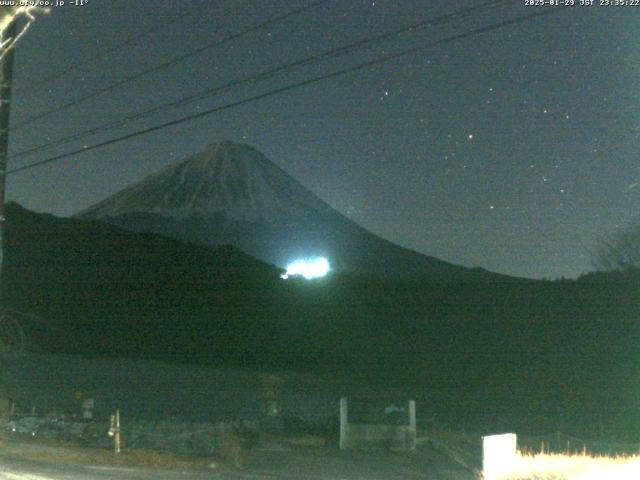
<point>515,353</point>
<point>103,290</point>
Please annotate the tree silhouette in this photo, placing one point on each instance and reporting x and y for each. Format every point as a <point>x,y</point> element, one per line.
<point>620,250</point>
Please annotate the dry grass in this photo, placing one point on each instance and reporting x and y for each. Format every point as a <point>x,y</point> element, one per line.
<point>545,466</point>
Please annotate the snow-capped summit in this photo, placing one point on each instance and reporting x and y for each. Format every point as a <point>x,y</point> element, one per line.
<point>227,179</point>
<point>232,194</point>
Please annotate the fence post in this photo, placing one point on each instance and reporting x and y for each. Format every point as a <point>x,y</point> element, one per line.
<point>114,431</point>
<point>116,437</point>
<point>344,421</point>
<point>413,430</point>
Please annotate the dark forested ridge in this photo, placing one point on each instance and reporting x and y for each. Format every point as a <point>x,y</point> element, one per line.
<point>97,289</point>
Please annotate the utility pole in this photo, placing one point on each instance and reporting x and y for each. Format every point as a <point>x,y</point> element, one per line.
<point>6,77</point>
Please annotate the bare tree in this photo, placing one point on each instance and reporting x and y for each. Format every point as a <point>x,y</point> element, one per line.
<point>620,250</point>
<point>7,16</point>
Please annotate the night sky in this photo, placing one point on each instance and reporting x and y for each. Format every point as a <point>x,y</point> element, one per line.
<point>512,150</point>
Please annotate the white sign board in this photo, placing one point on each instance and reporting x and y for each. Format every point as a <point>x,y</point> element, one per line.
<point>499,455</point>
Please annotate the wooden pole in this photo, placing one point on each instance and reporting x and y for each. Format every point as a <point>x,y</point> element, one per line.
<point>5,108</point>
<point>116,433</point>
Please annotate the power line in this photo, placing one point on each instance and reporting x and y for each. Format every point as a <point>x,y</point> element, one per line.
<point>296,85</point>
<point>173,61</point>
<point>107,51</point>
<point>460,13</point>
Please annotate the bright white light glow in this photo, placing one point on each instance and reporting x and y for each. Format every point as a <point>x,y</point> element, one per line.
<point>574,467</point>
<point>503,462</point>
<point>309,268</point>
<point>499,452</point>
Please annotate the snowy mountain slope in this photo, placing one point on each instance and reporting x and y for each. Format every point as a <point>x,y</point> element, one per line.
<point>232,194</point>
<point>230,179</point>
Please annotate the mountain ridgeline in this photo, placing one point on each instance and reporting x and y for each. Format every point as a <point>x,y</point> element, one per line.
<point>232,194</point>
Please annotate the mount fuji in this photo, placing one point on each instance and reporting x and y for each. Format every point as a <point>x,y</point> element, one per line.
<point>232,194</point>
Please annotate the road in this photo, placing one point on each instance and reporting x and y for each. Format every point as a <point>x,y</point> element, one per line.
<point>28,470</point>
<point>11,469</point>
<point>32,460</point>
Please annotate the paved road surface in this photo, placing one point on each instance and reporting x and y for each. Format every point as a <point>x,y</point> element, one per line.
<point>33,461</point>
<point>28,470</point>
